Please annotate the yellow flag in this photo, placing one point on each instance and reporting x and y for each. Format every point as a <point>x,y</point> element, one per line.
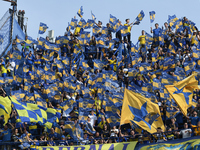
<point>182,92</point>
<point>139,110</point>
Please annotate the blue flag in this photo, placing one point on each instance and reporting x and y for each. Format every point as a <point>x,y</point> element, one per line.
<point>43,27</point>
<point>152,16</point>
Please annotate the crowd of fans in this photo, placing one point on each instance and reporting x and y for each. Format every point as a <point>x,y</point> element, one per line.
<point>30,135</point>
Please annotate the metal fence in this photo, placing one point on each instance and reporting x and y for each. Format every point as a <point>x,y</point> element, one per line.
<point>5,30</point>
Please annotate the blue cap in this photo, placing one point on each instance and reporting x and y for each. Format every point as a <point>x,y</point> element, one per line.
<point>62,136</point>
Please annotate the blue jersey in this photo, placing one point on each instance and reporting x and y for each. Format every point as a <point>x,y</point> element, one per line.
<point>7,135</point>
<point>157,32</point>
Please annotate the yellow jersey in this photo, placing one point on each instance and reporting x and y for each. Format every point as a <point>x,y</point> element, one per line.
<point>129,27</point>
<point>142,39</point>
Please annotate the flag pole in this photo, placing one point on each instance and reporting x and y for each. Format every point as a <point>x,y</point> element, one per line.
<point>38,32</point>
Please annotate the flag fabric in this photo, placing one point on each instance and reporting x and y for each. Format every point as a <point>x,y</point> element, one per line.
<point>89,24</point>
<point>141,111</point>
<point>81,23</point>
<point>171,113</point>
<point>5,108</point>
<point>30,41</point>
<point>19,40</point>
<point>74,130</point>
<point>73,23</point>
<point>172,20</point>
<point>43,27</point>
<point>93,16</point>
<point>67,105</point>
<point>100,42</point>
<point>62,40</point>
<point>80,12</point>
<point>113,20</point>
<point>95,30</point>
<point>51,46</point>
<point>29,112</point>
<point>182,92</point>
<point>98,64</point>
<point>152,16</point>
<point>140,16</point>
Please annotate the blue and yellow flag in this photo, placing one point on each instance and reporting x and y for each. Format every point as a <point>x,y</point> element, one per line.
<point>29,112</point>
<point>51,46</point>
<point>93,16</point>
<point>67,105</point>
<point>80,12</point>
<point>89,24</point>
<point>43,27</point>
<point>74,130</point>
<point>81,23</point>
<point>113,20</point>
<point>73,23</point>
<point>98,64</point>
<point>141,111</point>
<point>16,55</point>
<point>19,94</point>
<point>30,41</point>
<point>5,108</point>
<point>140,16</point>
<point>152,16</point>
<point>172,20</point>
<point>100,42</point>
<point>182,92</point>
<point>96,30</point>
<point>62,40</point>
<point>189,66</point>
<point>171,113</point>
<point>19,40</point>
<point>40,44</point>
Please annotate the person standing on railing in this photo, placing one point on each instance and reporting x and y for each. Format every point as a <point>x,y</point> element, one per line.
<point>129,26</point>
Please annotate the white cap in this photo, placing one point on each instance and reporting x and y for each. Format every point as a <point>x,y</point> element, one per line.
<point>125,69</point>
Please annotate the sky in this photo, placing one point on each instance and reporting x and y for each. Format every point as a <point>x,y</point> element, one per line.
<point>57,13</point>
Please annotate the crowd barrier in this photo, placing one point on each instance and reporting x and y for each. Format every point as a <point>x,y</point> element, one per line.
<point>143,144</point>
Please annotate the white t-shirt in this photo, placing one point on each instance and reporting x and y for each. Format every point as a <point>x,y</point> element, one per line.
<point>11,66</point>
<point>93,118</point>
<point>113,134</point>
<point>186,133</point>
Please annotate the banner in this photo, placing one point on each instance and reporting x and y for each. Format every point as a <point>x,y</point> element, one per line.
<point>117,146</point>
<point>176,144</point>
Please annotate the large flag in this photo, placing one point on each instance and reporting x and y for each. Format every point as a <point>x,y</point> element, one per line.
<point>5,108</point>
<point>139,110</point>
<point>152,16</point>
<point>43,27</point>
<point>29,112</point>
<point>80,12</point>
<point>182,92</point>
